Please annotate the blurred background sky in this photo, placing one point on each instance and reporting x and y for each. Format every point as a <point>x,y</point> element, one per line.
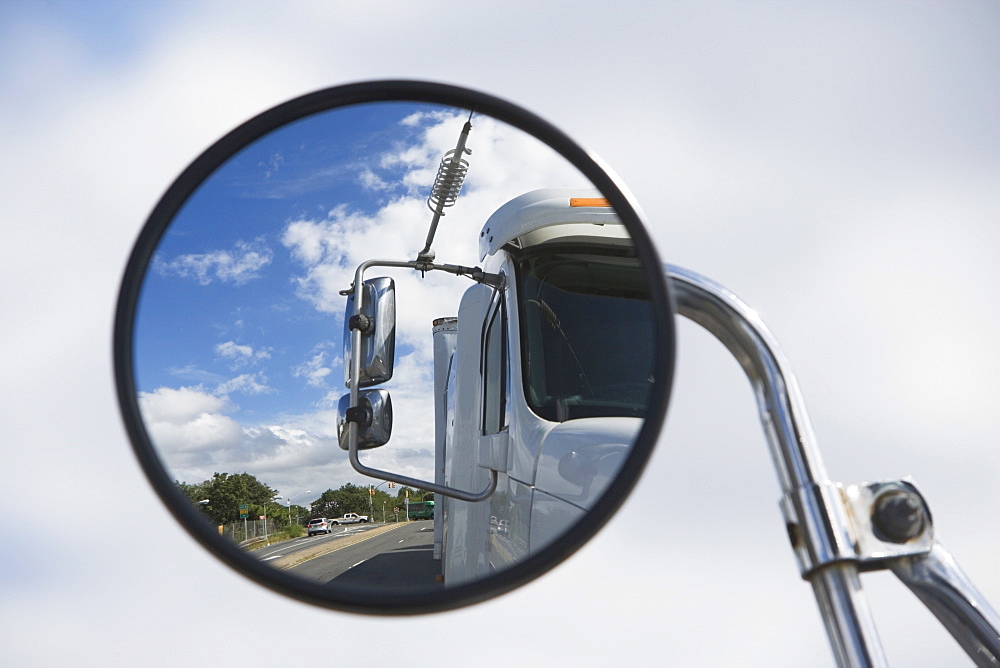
<point>835,164</point>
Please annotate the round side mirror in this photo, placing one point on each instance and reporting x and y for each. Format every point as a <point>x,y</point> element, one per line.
<point>531,366</point>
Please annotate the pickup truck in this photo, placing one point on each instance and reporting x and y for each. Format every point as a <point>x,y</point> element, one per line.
<point>350,518</point>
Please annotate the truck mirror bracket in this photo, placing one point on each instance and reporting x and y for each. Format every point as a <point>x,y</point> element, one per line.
<point>352,415</point>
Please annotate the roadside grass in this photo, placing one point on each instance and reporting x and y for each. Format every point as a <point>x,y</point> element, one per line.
<point>287,533</point>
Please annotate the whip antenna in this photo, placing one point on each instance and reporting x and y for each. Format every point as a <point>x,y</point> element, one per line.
<point>448,183</point>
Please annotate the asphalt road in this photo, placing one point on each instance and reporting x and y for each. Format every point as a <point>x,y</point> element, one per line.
<point>391,556</point>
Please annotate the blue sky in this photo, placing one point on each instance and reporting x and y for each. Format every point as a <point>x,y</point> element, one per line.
<point>222,275</point>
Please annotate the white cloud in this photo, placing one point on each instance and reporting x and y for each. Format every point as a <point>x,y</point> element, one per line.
<point>247,383</point>
<point>232,350</point>
<point>238,266</point>
<point>240,355</point>
<point>372,181</point>
<point>196,435</point>
<point>273,165</point>
<point>188,425</point>
<point>192,373</point>
<point>176,406</point>
<point>316,369</point>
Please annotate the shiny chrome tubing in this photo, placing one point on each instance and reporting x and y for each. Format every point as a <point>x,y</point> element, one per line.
<point>820,533</point>
<point>944,588</point>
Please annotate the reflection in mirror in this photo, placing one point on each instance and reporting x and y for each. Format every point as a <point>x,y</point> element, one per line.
<point>537,375</point>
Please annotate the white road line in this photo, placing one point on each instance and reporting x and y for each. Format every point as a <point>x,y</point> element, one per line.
<point>360,562</point>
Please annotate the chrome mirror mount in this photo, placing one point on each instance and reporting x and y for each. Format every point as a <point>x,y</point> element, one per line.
<point>837,531</point>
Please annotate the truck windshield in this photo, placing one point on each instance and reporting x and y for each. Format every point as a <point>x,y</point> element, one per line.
<point>586,334</point>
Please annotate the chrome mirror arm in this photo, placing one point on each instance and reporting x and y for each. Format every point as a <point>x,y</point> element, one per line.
<point>839,531</point>
<point>443,490</point>
<point>936,579</point>
<point>819,532</point>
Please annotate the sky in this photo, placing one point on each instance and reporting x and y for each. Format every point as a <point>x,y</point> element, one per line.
<point>835,164</point>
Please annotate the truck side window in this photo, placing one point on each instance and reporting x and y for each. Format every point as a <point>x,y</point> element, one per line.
<point>496,382</point>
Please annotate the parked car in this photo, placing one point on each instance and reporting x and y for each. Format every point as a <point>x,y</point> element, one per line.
<point>319,525</point>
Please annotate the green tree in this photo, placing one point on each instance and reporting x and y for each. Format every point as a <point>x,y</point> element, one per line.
<point>296,514</point>
<point>327,505</point>
<point>195,493</point>
<point>349,498</point>
<point>226,493</point>
<point>414,494</point>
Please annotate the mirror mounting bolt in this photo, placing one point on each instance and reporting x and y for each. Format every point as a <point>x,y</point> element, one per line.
<point>898,515</point>
<point>362,323</point>
<point>359,414</point>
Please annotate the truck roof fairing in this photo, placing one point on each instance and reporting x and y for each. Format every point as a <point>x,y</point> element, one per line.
<point>547,215</point>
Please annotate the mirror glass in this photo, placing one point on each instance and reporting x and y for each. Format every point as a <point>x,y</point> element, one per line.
<point>237,353</point>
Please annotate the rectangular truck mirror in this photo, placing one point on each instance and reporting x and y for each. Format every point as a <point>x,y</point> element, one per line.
<point>376,321</point>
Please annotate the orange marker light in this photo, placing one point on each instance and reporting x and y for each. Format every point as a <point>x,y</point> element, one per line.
<point>588,201</point>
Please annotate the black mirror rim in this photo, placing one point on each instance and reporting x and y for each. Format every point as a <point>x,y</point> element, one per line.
<point>360,600</point>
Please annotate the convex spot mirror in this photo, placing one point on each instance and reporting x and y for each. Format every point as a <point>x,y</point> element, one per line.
<point>374,421</point>
<point>525,350</point>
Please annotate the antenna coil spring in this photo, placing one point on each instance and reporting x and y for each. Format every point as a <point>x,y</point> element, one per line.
<point>448,182</point>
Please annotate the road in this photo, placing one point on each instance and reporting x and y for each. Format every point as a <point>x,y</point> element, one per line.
<point>391,556</point>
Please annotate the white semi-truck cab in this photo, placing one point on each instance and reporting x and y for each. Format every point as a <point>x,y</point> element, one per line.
<point>544,381</point>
